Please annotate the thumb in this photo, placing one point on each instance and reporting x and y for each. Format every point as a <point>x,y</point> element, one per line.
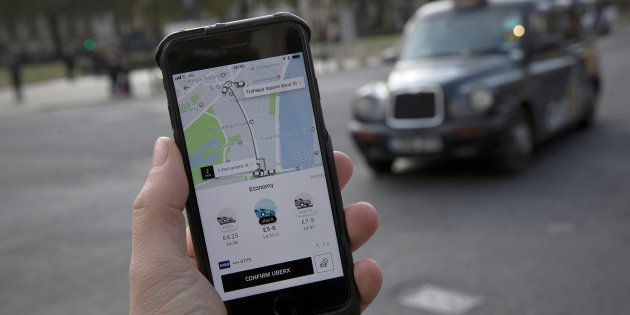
<point>158,223</point>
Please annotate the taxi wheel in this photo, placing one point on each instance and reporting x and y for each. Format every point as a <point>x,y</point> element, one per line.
<point>380,166</point>
<point>586,121</point>
<point>519,147</point>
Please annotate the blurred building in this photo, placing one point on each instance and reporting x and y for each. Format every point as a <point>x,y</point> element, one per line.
<point>45,33</point>
<point>343,20</point>
<point>38,40</point>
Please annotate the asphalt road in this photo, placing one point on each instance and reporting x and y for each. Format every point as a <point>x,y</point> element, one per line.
<point>553,240</point>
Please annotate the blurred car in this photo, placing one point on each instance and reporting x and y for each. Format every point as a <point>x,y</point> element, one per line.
<point>479,79</point>
<point>598,16</point>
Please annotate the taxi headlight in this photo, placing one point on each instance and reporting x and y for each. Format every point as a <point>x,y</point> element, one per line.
<point>481,99</point>
<point>369,109</point>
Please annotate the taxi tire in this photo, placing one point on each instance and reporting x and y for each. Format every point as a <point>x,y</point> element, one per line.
<point>588,117</point>
<point>519,147</point>
<point>380,166</point>
<point>586,121</point>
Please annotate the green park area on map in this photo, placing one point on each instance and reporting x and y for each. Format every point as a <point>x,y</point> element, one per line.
<point>203,131</point>
<point>272,104</point>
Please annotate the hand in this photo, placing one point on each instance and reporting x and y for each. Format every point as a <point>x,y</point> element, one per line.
<point>162,275</point>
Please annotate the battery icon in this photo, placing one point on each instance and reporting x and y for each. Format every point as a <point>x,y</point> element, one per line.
<point>296,56</point>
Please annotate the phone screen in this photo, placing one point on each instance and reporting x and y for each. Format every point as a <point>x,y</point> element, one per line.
<point>256,164</point>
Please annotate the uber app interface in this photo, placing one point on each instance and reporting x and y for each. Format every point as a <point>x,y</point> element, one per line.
<point>257,168</point>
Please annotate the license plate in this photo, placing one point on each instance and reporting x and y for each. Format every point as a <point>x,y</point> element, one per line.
<point>416,144</point>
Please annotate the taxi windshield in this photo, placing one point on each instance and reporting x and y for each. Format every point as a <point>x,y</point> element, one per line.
<point>486,30</point>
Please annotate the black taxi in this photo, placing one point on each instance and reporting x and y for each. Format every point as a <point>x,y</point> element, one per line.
<point>479,78</point>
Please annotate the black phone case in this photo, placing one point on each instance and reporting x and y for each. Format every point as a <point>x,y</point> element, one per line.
<point>353,306</point>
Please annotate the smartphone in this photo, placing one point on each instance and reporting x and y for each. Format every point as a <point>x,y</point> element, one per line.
<point>264,210</point>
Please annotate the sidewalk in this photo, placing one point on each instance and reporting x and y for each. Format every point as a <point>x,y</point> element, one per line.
<point>82,91</point>
<point>94,90</point>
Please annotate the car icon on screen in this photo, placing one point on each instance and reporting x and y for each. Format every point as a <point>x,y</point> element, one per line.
<point>261,213</point>
<point>225,220</point>
<point>303,203</point>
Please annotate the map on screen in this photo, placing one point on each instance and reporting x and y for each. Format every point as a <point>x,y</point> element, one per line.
<point>247,120</point>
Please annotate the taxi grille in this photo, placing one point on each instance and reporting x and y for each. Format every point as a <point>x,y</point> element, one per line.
<point>415,106</point>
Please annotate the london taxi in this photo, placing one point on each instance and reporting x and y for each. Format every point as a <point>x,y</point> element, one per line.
<point>479,79</point>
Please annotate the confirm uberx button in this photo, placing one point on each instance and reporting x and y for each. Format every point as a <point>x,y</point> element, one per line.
<point>268,274</point>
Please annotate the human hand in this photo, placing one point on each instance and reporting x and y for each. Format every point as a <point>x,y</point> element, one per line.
<point>162,273</point>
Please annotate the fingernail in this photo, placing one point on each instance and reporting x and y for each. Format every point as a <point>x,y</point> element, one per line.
<point>160,152</point>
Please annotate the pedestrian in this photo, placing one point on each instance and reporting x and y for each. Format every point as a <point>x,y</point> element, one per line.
<point>118,72</point>
<point>68,60</point>
<point>112,60</point>
<point>124,79</point>
<point>15,65</point>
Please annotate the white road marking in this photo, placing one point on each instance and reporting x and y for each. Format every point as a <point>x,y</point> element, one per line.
<point>438,300</point>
